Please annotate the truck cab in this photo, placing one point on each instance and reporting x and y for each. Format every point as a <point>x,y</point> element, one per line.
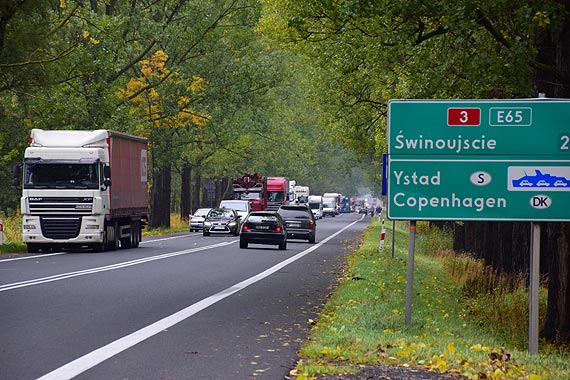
<point>277,192</point>
<point>316,204</point>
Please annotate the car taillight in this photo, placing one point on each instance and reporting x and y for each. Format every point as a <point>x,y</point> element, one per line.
<point>278,229</point>
<point>311,223</point>
<point>245,227</point>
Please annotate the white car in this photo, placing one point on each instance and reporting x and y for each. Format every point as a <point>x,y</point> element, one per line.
<point>196,221</point>
<point>243,208</point>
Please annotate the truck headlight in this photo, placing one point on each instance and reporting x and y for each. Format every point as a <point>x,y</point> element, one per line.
<point>29,227</point>
<point>92,227</point>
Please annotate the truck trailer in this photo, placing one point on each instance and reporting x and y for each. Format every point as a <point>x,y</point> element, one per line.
<point>83,189</point>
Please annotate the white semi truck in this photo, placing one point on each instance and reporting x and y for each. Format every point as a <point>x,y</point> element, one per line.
<point>70,200</point>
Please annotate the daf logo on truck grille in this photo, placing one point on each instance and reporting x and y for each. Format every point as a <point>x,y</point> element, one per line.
<point>36,199</point>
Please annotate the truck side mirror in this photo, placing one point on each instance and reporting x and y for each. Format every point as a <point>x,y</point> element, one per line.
<point>106,176</point>
<point>16,173</point>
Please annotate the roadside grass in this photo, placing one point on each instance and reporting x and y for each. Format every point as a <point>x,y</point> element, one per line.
<point>176,225</point>
<point>12,226</point>
<point>479,336</point>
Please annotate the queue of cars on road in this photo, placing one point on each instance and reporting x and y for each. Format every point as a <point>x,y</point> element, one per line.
<point>295,221</point>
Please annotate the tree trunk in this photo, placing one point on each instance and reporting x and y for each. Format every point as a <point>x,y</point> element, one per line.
<point>197,189</point>
<point>160,198</point>
<point>553,79</point>
<point>557,326</point>
<point>185,196</point>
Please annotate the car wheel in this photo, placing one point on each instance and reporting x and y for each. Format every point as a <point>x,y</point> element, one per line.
<point>243,244</point>
<point>283,245</point>
<point>236,232</point>
<point>206,233</point>
<point>312,239</point>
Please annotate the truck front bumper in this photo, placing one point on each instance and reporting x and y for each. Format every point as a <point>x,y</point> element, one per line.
<point>63,229</point>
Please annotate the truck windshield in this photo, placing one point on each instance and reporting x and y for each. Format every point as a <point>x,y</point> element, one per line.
<point>275,196</point>
<point>58,175</point>
<point>247,195</point>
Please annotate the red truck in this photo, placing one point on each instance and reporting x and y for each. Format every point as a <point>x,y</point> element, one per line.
<point>69,198</point>
<point>251,187</point>
<point>277,192</point>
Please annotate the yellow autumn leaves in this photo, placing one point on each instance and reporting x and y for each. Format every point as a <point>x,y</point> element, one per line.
<point>142,93</point>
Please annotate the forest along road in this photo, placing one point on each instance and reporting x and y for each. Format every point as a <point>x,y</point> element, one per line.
<point>178,307</point>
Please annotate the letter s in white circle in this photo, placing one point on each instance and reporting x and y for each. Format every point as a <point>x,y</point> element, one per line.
<point>480,178</point>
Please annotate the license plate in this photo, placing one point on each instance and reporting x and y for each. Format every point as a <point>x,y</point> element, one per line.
<point>295,224</point>
<point>262,227</point>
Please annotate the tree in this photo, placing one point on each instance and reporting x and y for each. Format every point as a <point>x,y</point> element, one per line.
<point>370,52</point>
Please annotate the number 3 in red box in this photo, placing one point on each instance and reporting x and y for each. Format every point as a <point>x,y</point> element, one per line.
<point>463,116</point>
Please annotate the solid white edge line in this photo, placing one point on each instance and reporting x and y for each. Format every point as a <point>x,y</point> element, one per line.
<point>33,257</point>
<point>84,272</point>
<point>65,253</point>
<point>90,360</point>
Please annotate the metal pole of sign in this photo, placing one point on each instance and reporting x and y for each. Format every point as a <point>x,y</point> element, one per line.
<point>534,288</point>
<point>410,274</point>
<point>534,285</point>
<point>393,234</point>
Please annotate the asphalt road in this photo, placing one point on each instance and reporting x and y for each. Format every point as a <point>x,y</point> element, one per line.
<point>178,307</point>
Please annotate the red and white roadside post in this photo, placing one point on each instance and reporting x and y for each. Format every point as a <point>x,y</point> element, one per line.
<point>382,237</point>
<point>1,232</point>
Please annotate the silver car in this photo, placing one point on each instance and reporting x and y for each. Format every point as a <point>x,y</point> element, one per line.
<point>196,221</point>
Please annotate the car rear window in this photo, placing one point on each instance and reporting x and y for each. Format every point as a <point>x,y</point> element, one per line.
<point>297,213</point>
<point>239,206</point>
<point>262,218</point>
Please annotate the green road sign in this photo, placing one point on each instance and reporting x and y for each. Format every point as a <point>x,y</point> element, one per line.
<point>479,190</point>
<point>479,160</point>
<point>484,128</point>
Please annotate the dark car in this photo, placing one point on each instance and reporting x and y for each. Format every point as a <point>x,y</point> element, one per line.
<point>221,220</point>
<point>263,227</point>
<point>300,222</point>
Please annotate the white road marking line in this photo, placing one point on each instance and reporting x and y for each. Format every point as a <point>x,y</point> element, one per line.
<point>90,360</point>
<point>33,257</point>
<point>65,253</point>
<point>63,276</point>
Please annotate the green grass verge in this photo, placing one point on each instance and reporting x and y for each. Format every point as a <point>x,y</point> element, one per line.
<point>363,323</point>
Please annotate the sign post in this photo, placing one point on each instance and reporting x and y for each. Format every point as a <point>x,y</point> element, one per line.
<point>484,160</point>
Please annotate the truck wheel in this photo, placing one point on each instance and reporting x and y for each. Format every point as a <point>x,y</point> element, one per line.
<point>101,247</point>
<point>137,234</point>
<point>129,241</point>
<point>126,243</point>
<point>114,244</point>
